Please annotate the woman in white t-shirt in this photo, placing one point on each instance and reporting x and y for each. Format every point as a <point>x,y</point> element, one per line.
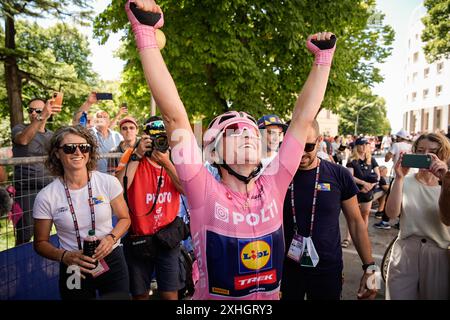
<point>419,266</point>
<point>80,200</point>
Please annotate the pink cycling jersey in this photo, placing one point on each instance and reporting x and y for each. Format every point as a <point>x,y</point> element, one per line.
<point>239,246</point>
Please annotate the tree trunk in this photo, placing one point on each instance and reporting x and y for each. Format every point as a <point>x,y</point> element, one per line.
<point>12,77</point>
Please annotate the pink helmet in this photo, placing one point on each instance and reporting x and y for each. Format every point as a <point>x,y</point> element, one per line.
<point>219,123</point>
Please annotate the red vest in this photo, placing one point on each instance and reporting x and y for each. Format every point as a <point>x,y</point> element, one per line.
<point>141,196</point>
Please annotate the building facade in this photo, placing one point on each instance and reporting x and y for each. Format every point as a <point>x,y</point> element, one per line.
<point>328,122</point>
<point>426,104</point>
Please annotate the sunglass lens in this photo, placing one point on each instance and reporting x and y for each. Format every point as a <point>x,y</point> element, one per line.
<point>69,148</point>
<point>309,147</point>
<point>85,148</point>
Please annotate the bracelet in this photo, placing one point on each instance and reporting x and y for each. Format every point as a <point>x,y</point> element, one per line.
<point>62,256</point>
<point>112,236</point>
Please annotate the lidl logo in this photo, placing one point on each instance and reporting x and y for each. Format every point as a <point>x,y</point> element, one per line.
<point>256,255</point>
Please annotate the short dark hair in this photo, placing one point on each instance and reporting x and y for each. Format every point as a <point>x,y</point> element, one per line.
<point>35,99</point>
<point>54,164</point>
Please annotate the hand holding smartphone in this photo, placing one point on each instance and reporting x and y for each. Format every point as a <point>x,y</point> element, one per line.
<point>57,101</point>
<point>104,96</point>
<point>420,161</point>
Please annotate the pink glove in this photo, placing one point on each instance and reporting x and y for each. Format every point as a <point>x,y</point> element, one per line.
<point>323,57</point>
<point>144,34</point>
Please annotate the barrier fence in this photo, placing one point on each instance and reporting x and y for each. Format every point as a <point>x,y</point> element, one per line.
<point>23,273</point>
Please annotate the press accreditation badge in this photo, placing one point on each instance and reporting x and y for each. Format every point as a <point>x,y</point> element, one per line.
<point>296,249</point>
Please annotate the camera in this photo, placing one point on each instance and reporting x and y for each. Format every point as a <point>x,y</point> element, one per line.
<point>160,142</point>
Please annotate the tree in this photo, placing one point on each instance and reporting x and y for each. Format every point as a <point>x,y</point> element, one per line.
<point>57,58</point>
<point>250,55</point>
<point>10,10</point>
<point>436,34</point>
<point>372,119</point>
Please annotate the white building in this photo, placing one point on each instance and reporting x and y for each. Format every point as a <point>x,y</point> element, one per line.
<point>328,122</point>
<point>426,104</point>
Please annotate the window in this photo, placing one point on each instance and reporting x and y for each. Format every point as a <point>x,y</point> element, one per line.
<point>425,93</point>
<point>406,98</point>
<point>438,91</point>
<point>407,79</point>
<point>415,57</point>
<point>413,96</point>
<point>409,44</point>
<point>414,77</point>
<point>426,72</point>
<point>417,36</point>
<point>439,67</point>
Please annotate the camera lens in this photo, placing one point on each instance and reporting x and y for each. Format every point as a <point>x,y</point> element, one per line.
<point>161,144</point>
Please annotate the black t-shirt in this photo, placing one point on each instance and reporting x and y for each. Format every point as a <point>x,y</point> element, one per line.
<point>336,184</point>
<point>364,171</point>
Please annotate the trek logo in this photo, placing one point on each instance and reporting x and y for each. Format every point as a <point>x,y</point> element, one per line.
<point>252,280</point>
<point>162,198</point>
<point>255,254</point>
<point>252,219</point>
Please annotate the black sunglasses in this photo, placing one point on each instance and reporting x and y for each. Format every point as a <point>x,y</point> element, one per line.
<point>309,147</point>
<point>38,111</point>
<point>71,148</point>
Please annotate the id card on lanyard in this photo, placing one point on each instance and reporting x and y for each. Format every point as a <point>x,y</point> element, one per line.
<point>102,267</point>
<point>302,249</point>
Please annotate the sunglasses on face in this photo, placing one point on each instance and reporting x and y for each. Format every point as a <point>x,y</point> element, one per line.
<point>71,148</point>
<point>310,146</point>
<point>38,111</point>
<point>237,129</point>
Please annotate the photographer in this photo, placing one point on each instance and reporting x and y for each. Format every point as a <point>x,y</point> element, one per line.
<point>152,191</point>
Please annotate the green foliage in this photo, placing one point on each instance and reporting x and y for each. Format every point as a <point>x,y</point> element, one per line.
<point>251,55</point>
<point>79,9</point>
<point>52,59</point>
<point>437,29</point>
<point>372,119</point>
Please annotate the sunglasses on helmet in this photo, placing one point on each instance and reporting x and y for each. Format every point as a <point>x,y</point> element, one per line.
<point>237,129</point>
<point>71,148</point>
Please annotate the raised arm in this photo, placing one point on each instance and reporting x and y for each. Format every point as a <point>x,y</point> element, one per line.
<point>313,91</point>
<point>156,73</point>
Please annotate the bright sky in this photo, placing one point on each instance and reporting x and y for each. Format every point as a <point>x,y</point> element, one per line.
<point>397,13</point>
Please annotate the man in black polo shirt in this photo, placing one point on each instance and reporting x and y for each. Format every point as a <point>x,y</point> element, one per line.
<point>336,190</point>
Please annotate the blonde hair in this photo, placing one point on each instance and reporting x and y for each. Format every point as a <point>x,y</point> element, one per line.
<point>355,155</point>
<point>443,152</point>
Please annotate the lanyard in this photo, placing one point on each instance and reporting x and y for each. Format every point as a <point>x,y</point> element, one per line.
<point>314,203</point>
<point>72,211</point>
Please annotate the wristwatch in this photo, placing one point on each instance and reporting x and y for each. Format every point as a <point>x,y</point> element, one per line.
<point>135,157</point>
<point>367,265</point>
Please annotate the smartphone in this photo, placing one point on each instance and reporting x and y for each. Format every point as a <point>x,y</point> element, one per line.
<point>421,161</point>
<point>104,96</point>
<point>58,98</point>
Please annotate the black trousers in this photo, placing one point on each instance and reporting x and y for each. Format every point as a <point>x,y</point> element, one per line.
<point>300,282</point>
<point>111,285</point>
